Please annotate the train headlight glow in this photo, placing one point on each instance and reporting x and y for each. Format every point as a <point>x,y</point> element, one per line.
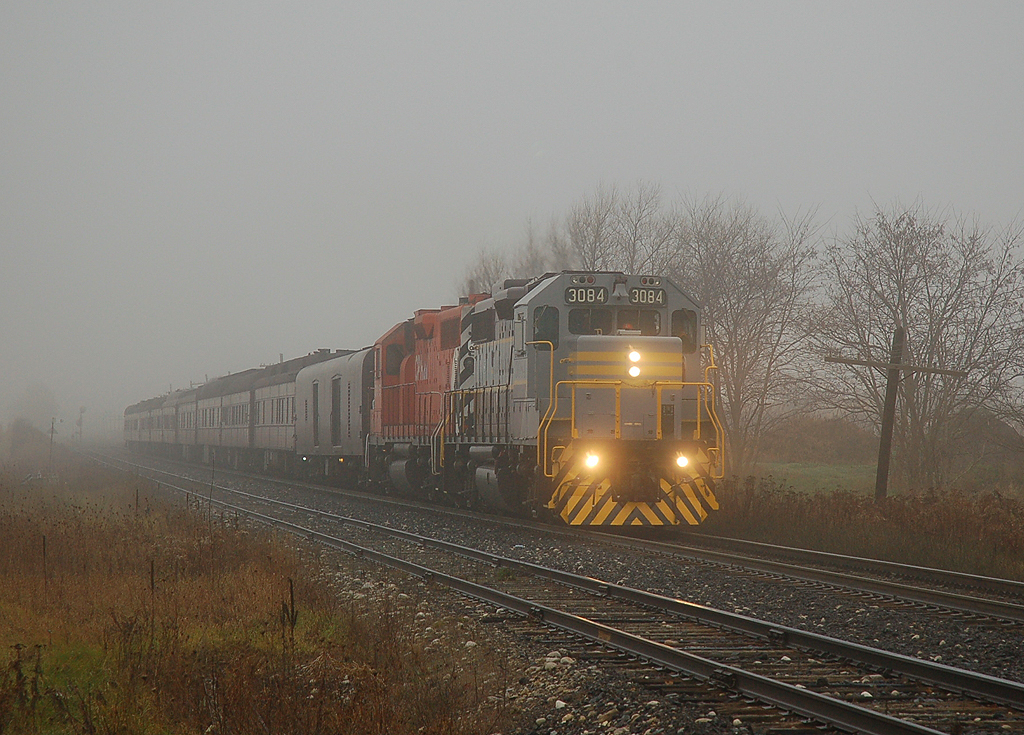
<point>634,372</point>
<point>592,460</point>
<point>682,461</point>
<point>634,356</point>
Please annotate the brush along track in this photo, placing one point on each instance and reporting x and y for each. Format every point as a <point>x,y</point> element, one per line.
<point>753,658</point>
<point>997,599</point>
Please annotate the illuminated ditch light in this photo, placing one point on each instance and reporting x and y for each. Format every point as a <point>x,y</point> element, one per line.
<point>634,372</point>
<point>592,460</point>
<point>634,356</point>
<point>682,461</point>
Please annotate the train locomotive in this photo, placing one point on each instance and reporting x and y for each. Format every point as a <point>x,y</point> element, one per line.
<point>584,397</point>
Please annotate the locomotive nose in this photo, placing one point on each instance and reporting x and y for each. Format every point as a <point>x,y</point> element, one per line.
<point>637,486</point>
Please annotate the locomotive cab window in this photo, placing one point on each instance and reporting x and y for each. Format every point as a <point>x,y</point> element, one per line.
<point>684,326</point>
<point>450,334</point>
<point>393,356</point>
<point>644,321</point>
<point>545,325</point>
<point>590,321</point>
<point>482,326</point>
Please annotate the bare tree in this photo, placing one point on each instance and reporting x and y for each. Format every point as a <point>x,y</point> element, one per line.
<point>642,232</point>
<point>590,231</point>
<point>490,267</point>
<point>958,289</point>
<point>754,278</point>
<point>532,258</point>
<point>619,230</point>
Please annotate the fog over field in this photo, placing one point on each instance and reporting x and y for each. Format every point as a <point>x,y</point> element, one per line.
<point>188,189</point>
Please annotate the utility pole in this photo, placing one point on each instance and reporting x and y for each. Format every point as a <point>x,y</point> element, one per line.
<point>892,382</point>
<point>893,369</point>
<point>53,430</point>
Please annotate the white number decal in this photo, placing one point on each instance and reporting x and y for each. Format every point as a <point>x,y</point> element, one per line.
<point>649,296</point>
<point>591,295</point>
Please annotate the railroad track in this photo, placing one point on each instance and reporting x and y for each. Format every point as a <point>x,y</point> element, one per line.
<point>1008,588</point>
<point>998,599</point>
<point>845,685</point>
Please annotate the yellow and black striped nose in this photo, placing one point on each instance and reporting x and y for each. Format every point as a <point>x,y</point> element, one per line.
<point>585,495</point>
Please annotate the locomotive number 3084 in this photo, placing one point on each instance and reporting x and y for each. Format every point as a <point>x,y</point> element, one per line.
<point>587,295</point>
<point>650,296</point>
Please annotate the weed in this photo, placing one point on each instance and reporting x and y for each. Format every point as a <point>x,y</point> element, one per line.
<point>167,619</point>
<point>978,532</point>
<point>504,574</point>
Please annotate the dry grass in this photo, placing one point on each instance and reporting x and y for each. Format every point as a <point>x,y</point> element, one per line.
<point>977,532</point>
<point>120,614</point>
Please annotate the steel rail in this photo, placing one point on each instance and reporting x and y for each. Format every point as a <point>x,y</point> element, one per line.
<point>837,713</point>
<point>986,687</point>
<point>1010,587</point>
<point>998,609</point>
<point>962,681</point>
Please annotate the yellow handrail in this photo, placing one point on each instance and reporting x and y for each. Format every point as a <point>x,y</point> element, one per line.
<point>713,413</point>
<point>705,399</point>
<point>704,389</point>
<point>552,399</point>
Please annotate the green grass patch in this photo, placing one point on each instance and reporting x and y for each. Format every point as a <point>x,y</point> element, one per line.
<point>815,478</point>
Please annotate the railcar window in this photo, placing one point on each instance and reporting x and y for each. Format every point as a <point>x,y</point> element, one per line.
<point>590,321</point>
<point>647,321</point>
<point>684,326</point>
<point>545,325</point>
<point>335,412</point>
<point>316,414</point>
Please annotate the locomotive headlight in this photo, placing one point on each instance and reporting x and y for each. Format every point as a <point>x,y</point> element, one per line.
<point>682,461</point>
<point>634,356</point>
<point>634,371</point>
<point>592,460</point>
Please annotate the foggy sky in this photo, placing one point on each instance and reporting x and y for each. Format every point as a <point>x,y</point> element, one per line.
<point>193,188</point>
